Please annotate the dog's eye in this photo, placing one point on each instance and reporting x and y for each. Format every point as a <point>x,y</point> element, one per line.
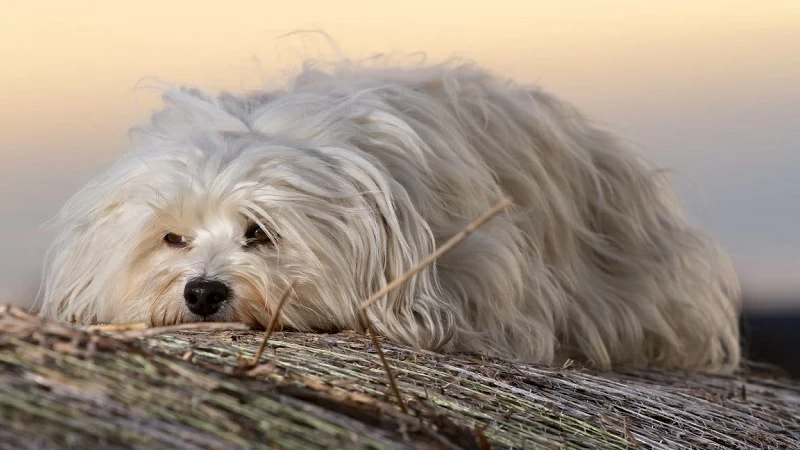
<point>255,235</point>
<point>175,240</point>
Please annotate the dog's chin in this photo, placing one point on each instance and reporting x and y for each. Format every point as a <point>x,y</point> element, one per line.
<point>226,313</point>
<point>223,314</point>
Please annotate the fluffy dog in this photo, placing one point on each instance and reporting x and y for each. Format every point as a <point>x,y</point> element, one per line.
<point>350,176</point>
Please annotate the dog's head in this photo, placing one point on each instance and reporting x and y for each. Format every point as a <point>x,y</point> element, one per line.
<point>217,212</point>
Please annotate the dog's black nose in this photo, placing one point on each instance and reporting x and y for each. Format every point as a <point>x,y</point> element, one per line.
<point>203,296</point>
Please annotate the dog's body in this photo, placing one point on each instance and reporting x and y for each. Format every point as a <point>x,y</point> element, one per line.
<point>347,179</point>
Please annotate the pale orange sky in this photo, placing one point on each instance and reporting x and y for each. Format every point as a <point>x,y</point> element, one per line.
<point>711,88</point>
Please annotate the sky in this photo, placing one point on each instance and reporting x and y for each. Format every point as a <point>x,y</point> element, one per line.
<point>708,89</point>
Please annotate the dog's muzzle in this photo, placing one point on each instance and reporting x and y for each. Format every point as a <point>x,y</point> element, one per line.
<point>204,297</point>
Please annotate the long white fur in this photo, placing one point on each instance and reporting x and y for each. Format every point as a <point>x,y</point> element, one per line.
<point>358,173</point>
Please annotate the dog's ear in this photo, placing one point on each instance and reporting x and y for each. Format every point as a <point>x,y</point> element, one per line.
<point>83,271</point>
<point>417,313</point>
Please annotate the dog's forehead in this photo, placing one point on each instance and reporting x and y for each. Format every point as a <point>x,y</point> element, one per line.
<point>202,214</point>
<point>217,229</point>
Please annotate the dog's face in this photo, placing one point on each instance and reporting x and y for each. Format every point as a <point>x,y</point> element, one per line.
<point>205,259</point>
<point>194,234</point>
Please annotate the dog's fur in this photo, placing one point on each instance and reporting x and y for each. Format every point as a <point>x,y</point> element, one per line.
<point>356,174</point>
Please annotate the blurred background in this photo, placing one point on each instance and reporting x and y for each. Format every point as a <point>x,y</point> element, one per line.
<point>709,89</point>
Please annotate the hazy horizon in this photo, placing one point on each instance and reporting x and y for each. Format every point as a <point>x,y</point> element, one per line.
<point>710,90</point>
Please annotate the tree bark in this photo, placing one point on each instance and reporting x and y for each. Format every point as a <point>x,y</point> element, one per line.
<point>65,386</point>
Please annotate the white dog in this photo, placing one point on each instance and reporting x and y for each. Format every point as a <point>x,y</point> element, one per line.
<point>349,177</point>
